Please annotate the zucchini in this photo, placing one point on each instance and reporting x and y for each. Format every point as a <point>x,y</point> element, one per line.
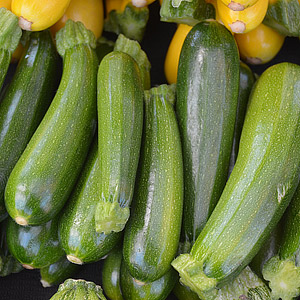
<point>158,197</point>
<point>207,94</point>
<point>104,46</point>
<point>283,269</point>
<point>120,123</point>
<point>57,272</point>
<point>25,102</point>
<point>10,34</point>
<point>78,290</point>
<point>111,274</point>
<point>77,231</point>
<point>259,189</point>
<point>183,292</point>
<point>34,247</point>
<point>44,176</point>
<point>133,289</point>
<point>247,80</point>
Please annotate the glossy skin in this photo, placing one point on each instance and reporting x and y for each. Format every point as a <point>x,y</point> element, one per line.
<point>111,274</point>
<point>37,246</point>
<point>152,233</point>
<point>157,290</point>
<point>77,225</point>
<point>44,176</point>
<point>25,102</point>
<point>207,93</point>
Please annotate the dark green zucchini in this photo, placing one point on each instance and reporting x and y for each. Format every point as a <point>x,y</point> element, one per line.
<point>104,46</point>
<point>25,102</point>
<point>111,274</point>
<point>152,234</point>
<point>46,172</point>
<point>133,289</point>
<point>77,231</point>
<point>259,189</point>
<point>10,34</point>
<point>57,272</point>
<point>207,93</point>
<point>120,124</point>
<point>182,292</point>
<point>34,247</point>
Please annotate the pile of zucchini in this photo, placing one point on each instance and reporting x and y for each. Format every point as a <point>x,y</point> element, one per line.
<point>188,187</point>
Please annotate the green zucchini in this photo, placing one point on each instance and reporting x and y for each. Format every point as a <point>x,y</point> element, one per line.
<point>247,80</point>
<point>104,46</point>
<point>57,272</point>
<point>78,290</point>
<point>149,245</point>
<point>183,292</point>
<point>283,269</point>
<point>111,274</point>
<point>207,94</point>
<point>10,34</point>
<point>259,189</point>
<point>25,102</point>
<point>133,289</point>
<point>34,247</point>
<point>46,172</point>
<point>120,123</point>
<point>77,231</point>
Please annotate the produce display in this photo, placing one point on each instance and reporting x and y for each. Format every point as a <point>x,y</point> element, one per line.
<point>122,182</point>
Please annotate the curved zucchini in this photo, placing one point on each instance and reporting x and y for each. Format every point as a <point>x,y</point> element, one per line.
<point>57,272</point>
<point>207,93</point>
<point>111,274</point>
<point>25,102</point>
<point>120,123</point>
<point>133,289</point>
<point>46,172</point>
<point>149,245</point>
<point>77,231</point>
<point>34,247</point>
<point>259,189</point>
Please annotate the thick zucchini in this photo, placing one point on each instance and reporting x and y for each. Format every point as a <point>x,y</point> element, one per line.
<point>120,123</point>
<point>133,289</point>
<point>77,231</point>
<point>207,93</point>
<point>57,272</point>
<point>34,247</point>
<point>111,274</point>
<point>46,172</point>
<point>259,189</point>
<point>158,197</point>
<point>25,102</point>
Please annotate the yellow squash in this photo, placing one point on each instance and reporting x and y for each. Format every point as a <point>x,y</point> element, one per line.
<point>88,12</point>
<point>173,53</point>
<point>239,5</point>
<point>141,3</point>
<point>245,20</point>
<point>112,5</point>
<point>5,3</point>
<point>260,45</point>
<point>36,15</point>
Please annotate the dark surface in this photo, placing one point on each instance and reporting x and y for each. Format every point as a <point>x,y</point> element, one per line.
<point>26,285</point>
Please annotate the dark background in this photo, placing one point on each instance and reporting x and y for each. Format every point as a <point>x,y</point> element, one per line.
<point>26,284</point>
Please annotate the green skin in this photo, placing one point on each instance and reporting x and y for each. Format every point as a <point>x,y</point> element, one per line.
<point>111,274</point>
<point>259,189</point>
<point>133,289</point>
<point>78,290</point>
<point>44,176</point>
<point>25,102</point>
<point>207,95</point>
<point>182,292</point>
<point>57,272</point>
<point>77,230</point>
<point>120,115</point>
<point>149,245</point>
<point>34,247</point>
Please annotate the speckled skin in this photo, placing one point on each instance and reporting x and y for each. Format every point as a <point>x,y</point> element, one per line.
<point>261,184</point>
<point>207,94</point>
<point>42,180</point>
<point>152,233</point>
<point>25,102</point>
<point>77,226</point>
<point>36,246</point>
